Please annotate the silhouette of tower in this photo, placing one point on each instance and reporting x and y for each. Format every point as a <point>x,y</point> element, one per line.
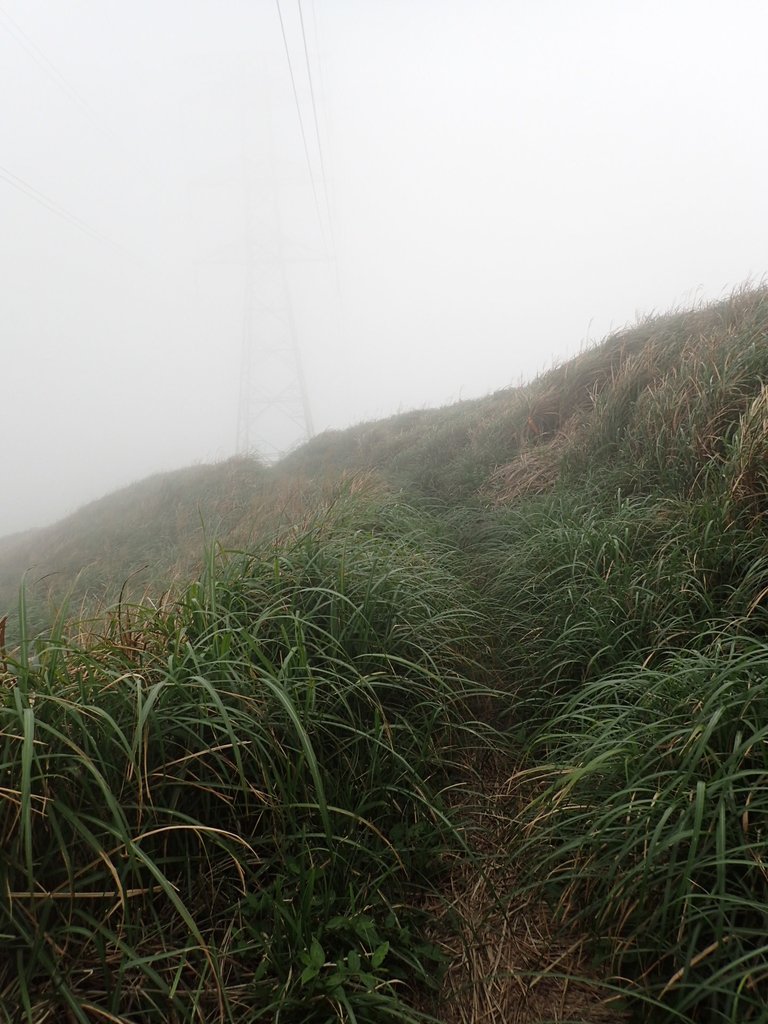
<point>273,399</point>
<point>273,408</point>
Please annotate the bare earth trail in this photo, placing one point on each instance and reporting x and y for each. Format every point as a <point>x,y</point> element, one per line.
<point>510,962</point>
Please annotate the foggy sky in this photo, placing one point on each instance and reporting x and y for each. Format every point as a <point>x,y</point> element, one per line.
<point>505,181</point>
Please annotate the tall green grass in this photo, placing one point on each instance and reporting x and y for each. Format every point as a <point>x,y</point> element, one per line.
<point>585,580</point>
<point>649,828</point>
<point>239,806</point>
<point>632,602</point>
<point>233,808</point>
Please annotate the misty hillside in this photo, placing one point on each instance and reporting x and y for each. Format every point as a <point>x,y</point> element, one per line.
<point>451,715</point>
<point>460,715</point>
<point>705,368</point>
<point>141,536</point>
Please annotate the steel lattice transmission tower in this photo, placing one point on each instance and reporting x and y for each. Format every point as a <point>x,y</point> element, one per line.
<point>273,408</point>
<point>273,399</point>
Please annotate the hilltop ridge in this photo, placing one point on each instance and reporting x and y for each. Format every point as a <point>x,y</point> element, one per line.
<point>458,715</point>
<point>613,401</point>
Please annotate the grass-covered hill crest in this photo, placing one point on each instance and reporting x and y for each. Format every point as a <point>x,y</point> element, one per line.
<point>456,716</point>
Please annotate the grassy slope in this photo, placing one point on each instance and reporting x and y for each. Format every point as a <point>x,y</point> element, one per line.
<point>513,442</point>
<point>593,543</point>
<point>145,534</point>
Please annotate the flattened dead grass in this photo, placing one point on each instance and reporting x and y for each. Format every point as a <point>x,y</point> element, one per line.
<point>509,961</point>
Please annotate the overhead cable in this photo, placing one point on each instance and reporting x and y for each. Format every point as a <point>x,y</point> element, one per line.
<point>50,204</point>
<point>323,176</point>
<point>50,69</point>
<point>301,121</point>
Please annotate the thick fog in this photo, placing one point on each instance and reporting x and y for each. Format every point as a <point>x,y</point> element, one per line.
<point>441,197</point>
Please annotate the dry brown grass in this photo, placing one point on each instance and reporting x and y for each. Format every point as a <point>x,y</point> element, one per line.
<point>534,471</point>
<point>682,379</point>
<point>509,961</point>
<point>3,655</point>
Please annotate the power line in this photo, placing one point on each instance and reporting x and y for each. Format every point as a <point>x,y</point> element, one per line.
<point>337,278</point>
<point>50,69</point>
<point>50,204</point>
<point>301,120</point>
<point>323,176</point>
<point>56,76</point>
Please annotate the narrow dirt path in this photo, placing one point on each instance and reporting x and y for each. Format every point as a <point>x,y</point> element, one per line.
<point>509,962</point>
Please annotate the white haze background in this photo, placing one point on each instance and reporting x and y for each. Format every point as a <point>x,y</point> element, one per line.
<point>505,180</point>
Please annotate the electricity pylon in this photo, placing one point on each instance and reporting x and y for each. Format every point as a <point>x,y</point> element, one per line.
<point>273,394</point>
<point>273,399</point>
